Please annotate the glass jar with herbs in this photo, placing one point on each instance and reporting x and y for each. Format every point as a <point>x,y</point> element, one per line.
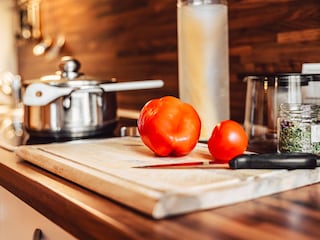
<point>298,128</point>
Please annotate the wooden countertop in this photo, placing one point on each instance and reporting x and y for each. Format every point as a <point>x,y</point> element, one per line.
<point>293,214</point>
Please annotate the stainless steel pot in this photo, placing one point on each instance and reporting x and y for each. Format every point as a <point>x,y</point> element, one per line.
<point>71,105</point>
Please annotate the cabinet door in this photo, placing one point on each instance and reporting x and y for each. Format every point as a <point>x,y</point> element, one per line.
<point>19,221</point>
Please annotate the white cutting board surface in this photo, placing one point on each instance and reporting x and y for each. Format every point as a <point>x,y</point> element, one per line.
<point>106,167</point>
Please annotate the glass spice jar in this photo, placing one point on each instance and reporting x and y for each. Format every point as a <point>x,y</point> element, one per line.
<point>298,128</point>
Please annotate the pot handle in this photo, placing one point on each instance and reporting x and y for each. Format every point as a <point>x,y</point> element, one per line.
<point>133,85</point>
<point>40,94</point>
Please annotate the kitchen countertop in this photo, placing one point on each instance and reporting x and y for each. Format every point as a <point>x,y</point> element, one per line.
<point>292,214</point>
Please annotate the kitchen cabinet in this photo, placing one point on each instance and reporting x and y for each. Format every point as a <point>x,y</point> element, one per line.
<point>20,221</point>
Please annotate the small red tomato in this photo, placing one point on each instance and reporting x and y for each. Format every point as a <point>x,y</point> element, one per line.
<point>228,140</point>
<point>169,127</point>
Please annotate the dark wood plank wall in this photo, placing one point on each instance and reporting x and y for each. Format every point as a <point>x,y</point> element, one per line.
<point>137,39</point>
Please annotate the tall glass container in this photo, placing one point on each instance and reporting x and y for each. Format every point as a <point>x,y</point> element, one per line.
<point>204,60</point>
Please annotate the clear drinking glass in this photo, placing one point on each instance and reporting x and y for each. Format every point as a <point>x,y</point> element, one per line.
<point>204,60</point>
<point>265,94</point>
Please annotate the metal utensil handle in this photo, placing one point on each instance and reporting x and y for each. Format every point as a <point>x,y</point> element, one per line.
<point>40,94</point>
<point>133,85</point>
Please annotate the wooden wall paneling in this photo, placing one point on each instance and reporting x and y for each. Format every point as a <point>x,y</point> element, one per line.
<point>133,40</point>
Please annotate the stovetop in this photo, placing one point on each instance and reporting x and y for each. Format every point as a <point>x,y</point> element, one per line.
<point>12,132</point>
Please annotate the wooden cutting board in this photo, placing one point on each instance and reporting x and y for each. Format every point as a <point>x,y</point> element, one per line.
<point>106,166</point>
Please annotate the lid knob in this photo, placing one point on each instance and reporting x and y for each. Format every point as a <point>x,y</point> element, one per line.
<point>69,67</point>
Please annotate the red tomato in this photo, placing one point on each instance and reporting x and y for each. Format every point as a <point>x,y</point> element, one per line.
<point>169,127</point>
<point>228,140</point>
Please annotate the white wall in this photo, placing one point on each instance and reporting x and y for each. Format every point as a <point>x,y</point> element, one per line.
<point>8,51</point>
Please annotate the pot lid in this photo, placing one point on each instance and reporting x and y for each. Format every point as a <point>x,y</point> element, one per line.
<point>69,75</point>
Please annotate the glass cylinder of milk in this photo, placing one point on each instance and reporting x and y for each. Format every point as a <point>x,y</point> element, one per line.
<point>203,58</point>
